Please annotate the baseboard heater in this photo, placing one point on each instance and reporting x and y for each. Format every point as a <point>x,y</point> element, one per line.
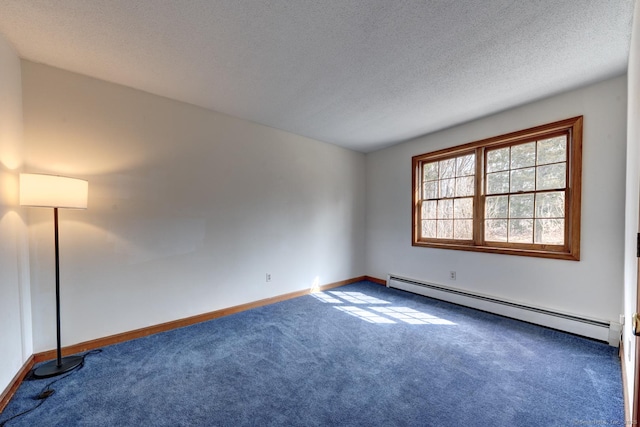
<point>597,329</point>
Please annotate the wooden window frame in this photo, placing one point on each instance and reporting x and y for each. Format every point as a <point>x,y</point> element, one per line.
<point>570,250</point>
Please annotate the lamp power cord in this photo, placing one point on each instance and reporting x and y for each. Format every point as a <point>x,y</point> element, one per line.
<point>47,391</point>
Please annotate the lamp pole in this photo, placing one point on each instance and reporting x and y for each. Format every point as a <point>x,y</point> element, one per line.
<point>57,249</point>
<point>61,365</point>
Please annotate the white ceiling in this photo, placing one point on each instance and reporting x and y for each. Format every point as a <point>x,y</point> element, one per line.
<point>363,74</point>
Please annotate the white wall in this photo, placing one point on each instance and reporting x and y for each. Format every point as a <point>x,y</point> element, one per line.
<point>591,287</point>
<point>188,209</point>
<point>15,300</point>
<point>632,200</point>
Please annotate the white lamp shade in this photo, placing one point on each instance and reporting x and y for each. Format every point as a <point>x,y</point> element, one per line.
<point>53,191</point>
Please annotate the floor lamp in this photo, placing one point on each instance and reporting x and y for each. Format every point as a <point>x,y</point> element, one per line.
<point>54,192</point>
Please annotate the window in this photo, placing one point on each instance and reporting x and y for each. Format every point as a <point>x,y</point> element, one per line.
<point>513,194</point>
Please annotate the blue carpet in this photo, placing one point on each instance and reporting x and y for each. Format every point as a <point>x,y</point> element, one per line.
<point>359,355</point>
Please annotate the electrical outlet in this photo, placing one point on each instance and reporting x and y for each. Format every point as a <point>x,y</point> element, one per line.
<point>268,277</point>
<point>452,275</point>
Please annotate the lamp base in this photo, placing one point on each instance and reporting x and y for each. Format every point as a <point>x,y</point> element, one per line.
<point>51,369</point>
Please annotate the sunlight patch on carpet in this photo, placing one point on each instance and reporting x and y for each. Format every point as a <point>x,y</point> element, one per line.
<point>411,316</point>
<point>365,315</point>
<point>380,313</point>
<point>358,298</point>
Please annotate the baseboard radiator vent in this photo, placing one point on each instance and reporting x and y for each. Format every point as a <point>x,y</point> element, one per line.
<point>597,329</point>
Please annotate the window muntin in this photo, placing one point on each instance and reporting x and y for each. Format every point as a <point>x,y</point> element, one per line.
<point>516,194</point>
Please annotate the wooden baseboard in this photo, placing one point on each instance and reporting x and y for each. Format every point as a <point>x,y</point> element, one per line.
<point>376,280</point>
<point>163,327</point>
<point>8,393</point>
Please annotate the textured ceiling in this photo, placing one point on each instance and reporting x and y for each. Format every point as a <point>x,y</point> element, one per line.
<point>362,74</point>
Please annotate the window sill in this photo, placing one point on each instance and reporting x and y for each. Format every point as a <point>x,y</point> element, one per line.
<point>538,253</point>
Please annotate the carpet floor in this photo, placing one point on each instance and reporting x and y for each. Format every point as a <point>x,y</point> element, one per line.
<point>358,355</point>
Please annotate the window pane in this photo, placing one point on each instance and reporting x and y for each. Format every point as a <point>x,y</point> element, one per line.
<point>429,209</point>
<point>445,209</point>
<point>498,183</point>
<point>498,160</point>
<point>463,208</point>
<point>445,229</point>
<point>465,186</point>
<point>551,176</point>
<point>523,180</point>
<point>430,171</point>
<point>430,190</point>
<point>496,206</point>
<point>463,229</point>
<point>521,230</point>
<point>550,205</point>
<point>521,206</point>
<point>523,155</point>
<point>447,187</point>
<point>550,231</point>
<point>495,230</point>
<point>447,168</point>
<point>429,229</point>
<point>466,165</point>
<point>552,150</point>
